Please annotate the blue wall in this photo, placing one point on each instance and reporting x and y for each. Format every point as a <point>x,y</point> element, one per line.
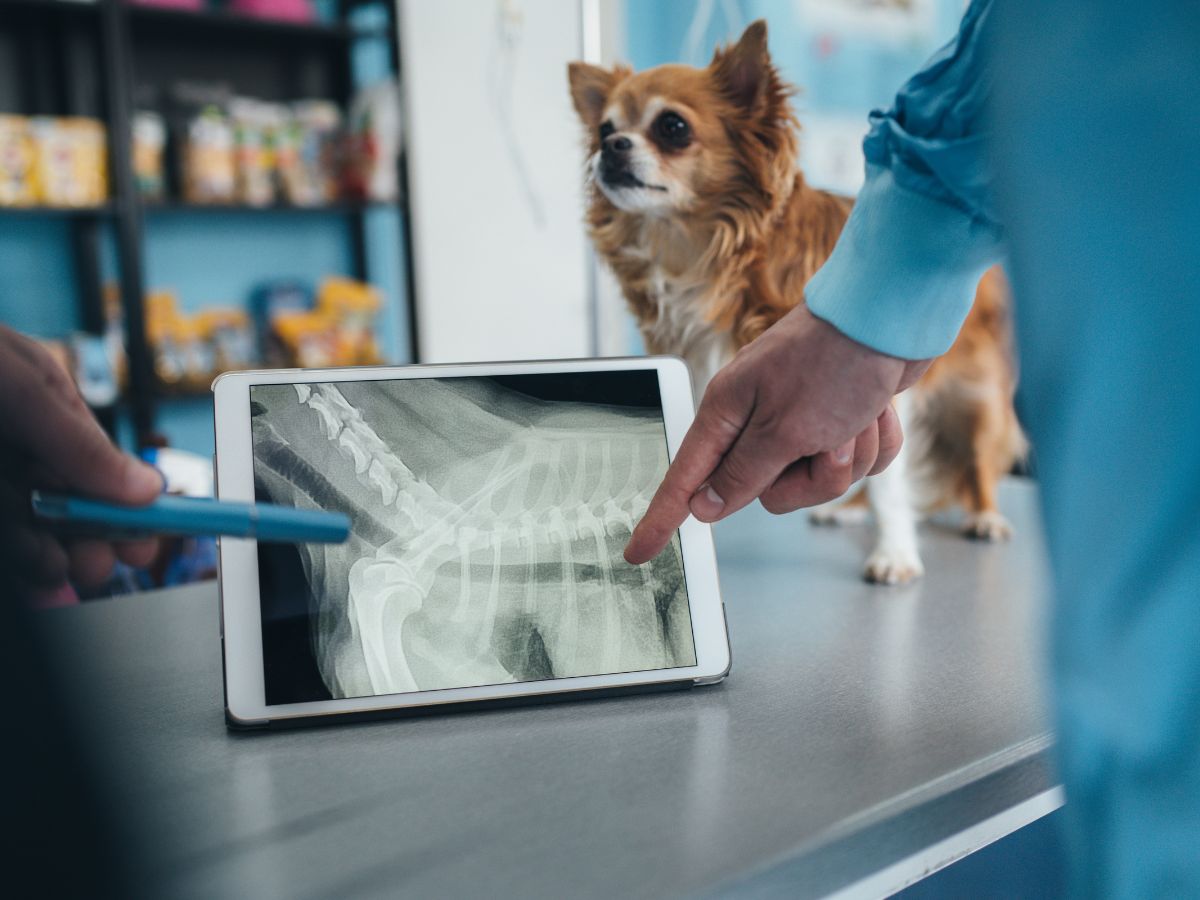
<point>837,68</point>
<point>37,276</point>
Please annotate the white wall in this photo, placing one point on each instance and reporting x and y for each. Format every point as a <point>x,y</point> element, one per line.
<point>495,281</point>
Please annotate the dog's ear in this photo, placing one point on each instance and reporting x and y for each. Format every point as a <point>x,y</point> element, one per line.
<point>591,87</point>
<point>744,72</point>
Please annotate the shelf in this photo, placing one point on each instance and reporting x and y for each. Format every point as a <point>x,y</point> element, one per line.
<point>217,23</point>
<point>106,209</point>
<point>344,207</point>
<point>66,7</point>
<point>131,47</point>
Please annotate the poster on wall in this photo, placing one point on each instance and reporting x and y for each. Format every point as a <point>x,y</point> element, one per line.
<point>882,20</point>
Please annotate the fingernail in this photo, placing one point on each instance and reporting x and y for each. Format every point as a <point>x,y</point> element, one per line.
<point>844,454</point>
<point>706,504</point>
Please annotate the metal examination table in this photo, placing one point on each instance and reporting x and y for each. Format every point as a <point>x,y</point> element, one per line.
<point>865,737</point>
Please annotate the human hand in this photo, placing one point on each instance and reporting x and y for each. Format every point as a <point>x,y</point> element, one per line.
<point>50,439</point>
<point>797,417</point>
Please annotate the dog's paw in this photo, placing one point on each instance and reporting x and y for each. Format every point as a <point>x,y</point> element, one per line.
<point>837,513</point>
<point>893,565</point>
<point>987,526</point>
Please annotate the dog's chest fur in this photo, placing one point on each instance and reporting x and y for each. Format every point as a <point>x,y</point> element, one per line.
<point>671,292</point>
<point>680,325</point>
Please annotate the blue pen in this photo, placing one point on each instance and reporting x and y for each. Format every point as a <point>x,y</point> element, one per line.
<point>191,515</point>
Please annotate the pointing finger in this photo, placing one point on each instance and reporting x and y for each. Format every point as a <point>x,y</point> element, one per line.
<point>719,421</point>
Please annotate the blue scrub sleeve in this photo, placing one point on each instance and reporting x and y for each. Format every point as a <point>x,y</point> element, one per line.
<point>903,274</point>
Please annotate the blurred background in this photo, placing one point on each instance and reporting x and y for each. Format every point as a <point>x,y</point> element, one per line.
<point>193,186</point>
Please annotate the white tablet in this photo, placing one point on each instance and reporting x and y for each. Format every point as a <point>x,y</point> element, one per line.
<point>490,507</point>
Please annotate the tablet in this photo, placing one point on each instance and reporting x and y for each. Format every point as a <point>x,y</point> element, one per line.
<point>490,504</point>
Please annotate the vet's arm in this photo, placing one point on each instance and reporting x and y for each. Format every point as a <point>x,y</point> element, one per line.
<point>903,275</point>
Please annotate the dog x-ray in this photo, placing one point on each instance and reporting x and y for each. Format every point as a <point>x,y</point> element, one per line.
<point>489,516</point>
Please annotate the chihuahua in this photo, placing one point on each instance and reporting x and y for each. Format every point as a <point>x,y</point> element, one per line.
<point>697,204</point>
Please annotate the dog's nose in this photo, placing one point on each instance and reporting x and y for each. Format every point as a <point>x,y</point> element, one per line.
<point>617,143</point>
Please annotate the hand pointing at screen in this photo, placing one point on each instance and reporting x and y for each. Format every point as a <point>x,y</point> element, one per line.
<point>796,418</point>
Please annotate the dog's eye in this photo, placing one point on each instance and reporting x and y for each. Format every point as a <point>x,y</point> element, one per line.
<point>606,129</point>
<point>673,130</point>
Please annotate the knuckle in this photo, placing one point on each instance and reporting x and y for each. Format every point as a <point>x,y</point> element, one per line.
<point>734,476</point>
<point>784,428</point>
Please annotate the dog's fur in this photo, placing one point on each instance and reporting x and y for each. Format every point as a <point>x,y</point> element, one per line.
<point>713,233</point>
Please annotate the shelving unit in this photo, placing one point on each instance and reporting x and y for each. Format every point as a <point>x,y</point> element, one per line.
<point>74,57</point>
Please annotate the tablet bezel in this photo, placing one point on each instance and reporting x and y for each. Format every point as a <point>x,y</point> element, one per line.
<point>241,623</point>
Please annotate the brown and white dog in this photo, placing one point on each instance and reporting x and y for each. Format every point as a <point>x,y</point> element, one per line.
<point>699,208</point>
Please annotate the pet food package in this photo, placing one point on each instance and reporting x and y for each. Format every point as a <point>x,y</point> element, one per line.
<point>207,164</point>
<point>17,186</point>
<point>338,330</point>
<point>256,127</point>
<point>191,350</point>
<point>228,332</point>
<point>161,314</point>
<point>114,333</point>
<point>70,161</point>
<point>95,370</point>
<point>373,144</point>
<point>308,339</point>
<point>352,306</point>
<point>181,358</point>
<point>149,144</point>
<point>268,302</point>
<point>315,129</point>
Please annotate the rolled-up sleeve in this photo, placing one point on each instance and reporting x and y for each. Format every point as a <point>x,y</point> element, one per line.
<point>923,231</point>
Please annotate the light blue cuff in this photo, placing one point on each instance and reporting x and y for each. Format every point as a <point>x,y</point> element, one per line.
<point>903,274</point>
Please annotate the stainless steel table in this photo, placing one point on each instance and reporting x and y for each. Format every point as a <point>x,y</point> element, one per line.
<point>865,736</point>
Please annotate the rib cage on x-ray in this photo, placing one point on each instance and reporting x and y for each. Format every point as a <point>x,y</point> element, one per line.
<point>487,533</point>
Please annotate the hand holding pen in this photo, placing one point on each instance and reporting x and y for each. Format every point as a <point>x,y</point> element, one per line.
<point>49,438</point>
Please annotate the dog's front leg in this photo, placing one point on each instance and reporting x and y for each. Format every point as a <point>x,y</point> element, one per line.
<point>895,559</point>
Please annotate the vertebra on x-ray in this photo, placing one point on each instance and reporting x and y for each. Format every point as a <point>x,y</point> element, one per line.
<point>487,533</point>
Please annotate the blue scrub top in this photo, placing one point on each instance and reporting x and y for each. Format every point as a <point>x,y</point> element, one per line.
<point>1061,136</point>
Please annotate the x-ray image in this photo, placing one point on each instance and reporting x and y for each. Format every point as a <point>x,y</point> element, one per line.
<point>489,516</point>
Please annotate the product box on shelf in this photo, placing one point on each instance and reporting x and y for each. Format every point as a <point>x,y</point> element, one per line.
<point>70,161</point>
<point>17,187</point>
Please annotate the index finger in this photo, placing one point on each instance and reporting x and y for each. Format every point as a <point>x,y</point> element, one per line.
<point>713,432</point>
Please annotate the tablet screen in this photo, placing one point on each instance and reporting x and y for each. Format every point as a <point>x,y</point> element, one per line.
<point>489,517</point>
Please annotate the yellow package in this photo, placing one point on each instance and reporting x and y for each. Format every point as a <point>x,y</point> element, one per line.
<point>353,306</point>
<point>229,333</point>
<point>308,338</point>
<point>70,161</point>
<point>192,343</point>
<point>16,162</point>
<point>161,312</point>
